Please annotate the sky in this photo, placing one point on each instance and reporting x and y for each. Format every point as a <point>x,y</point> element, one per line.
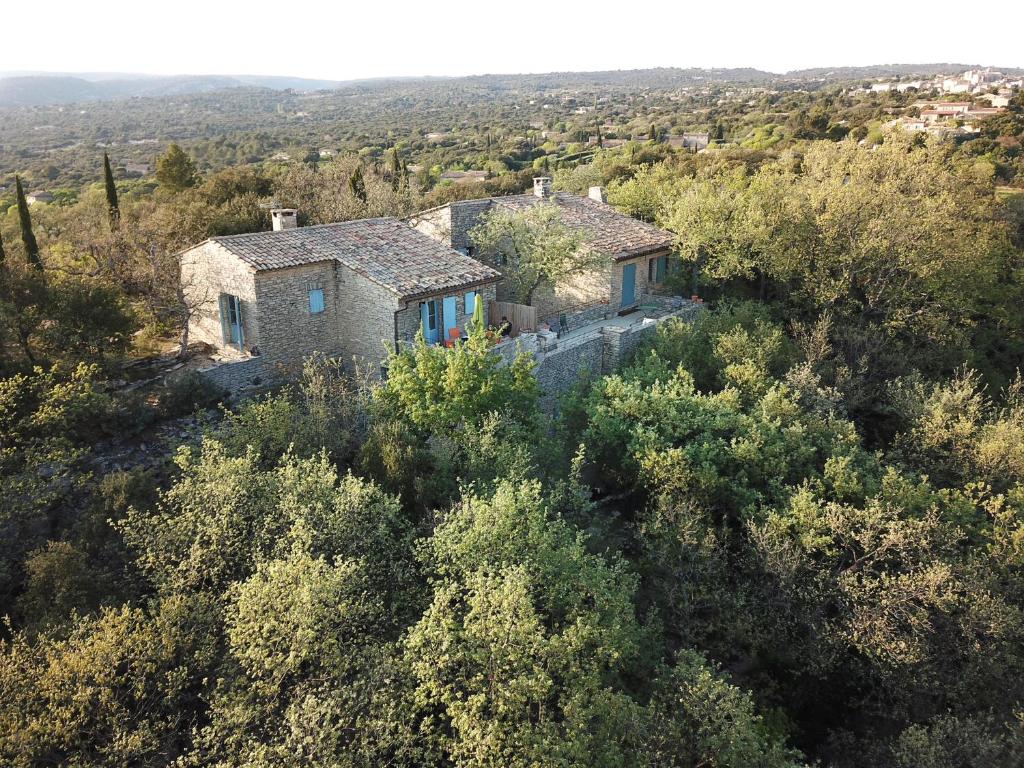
<point>342,40</point>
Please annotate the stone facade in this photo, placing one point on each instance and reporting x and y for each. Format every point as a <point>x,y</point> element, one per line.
<point>290,332</point>
<point>410,317</point>
<point>597,352</point>
<point>358,324</point>
<point>359,321</point>
<point>207,272</point>
<point>235,375</point>
<point>451,224</point>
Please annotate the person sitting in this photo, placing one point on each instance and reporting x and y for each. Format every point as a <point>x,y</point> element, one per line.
<point>506,327</point>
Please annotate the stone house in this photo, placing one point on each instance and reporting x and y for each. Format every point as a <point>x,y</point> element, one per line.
<point>353,290</point>
<point>40,196</point>
<point>637,255</point>
<point>464,177</point>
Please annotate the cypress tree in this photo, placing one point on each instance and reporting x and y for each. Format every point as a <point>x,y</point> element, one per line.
<point>356,185</point>
<point>396,170</point>
<point>29,239</point>
<point>113,209</point>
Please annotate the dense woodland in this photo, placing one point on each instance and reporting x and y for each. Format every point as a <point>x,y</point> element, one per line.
<point>789,533</point>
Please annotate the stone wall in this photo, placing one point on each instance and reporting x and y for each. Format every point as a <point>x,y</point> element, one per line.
<point>600,311</point>
<point>599,352</point>
<point>575,292</point>
<point>559,370</point>
<point>450,224</point>
<point>435,224</point>
<point>367,320</point>
<point>509,349</point>
<point>207,271</point>
<point>233,375</point>
<point>464,216</point>
<point>289,332</point>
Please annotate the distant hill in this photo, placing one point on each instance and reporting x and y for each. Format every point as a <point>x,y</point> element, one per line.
<point>31,90</point>
<point>26,89</point>
<point>888,70</point>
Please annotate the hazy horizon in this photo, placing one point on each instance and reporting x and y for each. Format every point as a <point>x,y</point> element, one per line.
<point>318,40</point>
<point>112,75</point>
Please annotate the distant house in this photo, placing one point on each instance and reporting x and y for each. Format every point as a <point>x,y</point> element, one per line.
<point>32,198</point>
<point>136,169</point>
<point>464,177</point>
<point>637,254</point>
<point>692,141</point>
<point>351,290</point>
<point>936,112</point>
<point>281,157</point>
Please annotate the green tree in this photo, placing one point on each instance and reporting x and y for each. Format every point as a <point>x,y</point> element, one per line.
<point>518,660</point>
<point>175,170</point>
<point>442,390</point>
<point>113,209</point>
<point>28,239</point>
<point>532,248</point>
<point>118,688</point>
<point>357,185</point>
<point>90,320</point>
<point>396,170</point>
<point>696,717</point>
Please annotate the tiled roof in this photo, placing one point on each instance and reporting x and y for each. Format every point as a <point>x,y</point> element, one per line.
<point>386,251</point>
<point>607,230</point>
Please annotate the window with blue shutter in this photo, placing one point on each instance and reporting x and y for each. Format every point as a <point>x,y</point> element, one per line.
<point>231,320</point>
<point>470,302</point>
<point>316,301</point>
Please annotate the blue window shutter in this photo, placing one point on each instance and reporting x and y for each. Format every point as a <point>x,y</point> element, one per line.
<point>316,301</point>
<point>470,302</point>
<point>225,322</point>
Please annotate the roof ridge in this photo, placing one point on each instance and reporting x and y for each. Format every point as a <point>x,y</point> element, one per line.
<point>218,238</point>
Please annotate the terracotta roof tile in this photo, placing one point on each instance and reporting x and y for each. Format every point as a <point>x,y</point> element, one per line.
<point>386,251</point>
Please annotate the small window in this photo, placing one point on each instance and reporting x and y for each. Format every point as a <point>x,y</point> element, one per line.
<point>656,269</point>
<point>430,315</point>
<point>316,301</point>
<point>470,302</point>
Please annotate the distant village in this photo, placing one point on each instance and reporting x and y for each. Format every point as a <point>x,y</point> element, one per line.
<point>990,91</point>
<point>949,106</point>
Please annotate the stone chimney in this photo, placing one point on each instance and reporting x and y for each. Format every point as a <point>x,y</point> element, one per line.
<point>598,193</point>
<point>284,218</point>
<point>542,186</point>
